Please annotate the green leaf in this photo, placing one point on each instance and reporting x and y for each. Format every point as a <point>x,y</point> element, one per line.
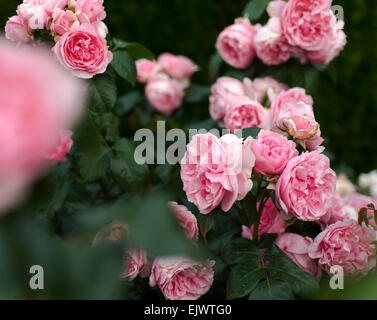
<point>250,215</point>
<point>136,50</point>
<point>126,171</point>
<point>127,102</point>
<point>255,9</point>
<point>250,132</point>
<point>108,123</point>
<point>215,63</point>
<point>124,66</point>
<point>103,92</point>
<point>197,94</point>
<point>241,250</point>
<point>272,290</point>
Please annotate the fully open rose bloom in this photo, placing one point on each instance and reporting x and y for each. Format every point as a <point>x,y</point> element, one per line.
<point>345,244</point>
<point>306,187</point>
<point>307,23</point>
<point>135,260</point>
<point>296,248</point>
<point>271,222</point>
<point>146,69</point>
<point>17,29</point>
<point>223,93</point>
<point>178,67</point>
<point>83,51</point>
<point>259,88</point>
<point>245,113</point>
<point>272,152</point>
<point>37,101</point>
<point>186,219</point>
<point>236,43</point>
<point>164,94</point>
<point>215,171</point>
<point>181,278</point>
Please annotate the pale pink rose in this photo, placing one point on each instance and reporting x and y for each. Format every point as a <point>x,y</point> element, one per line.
<point>135,261</point>
<point>307,23</point>
<point>339,211</point>
<point>146,69</point>
<point>224,92</point>
<point>215,171</point>
<point>164,94</point>
<point>63,146</point>
<point>17,30</point>
<point>275,8</point>
<point>245,113</point>
<point>344,186</point>
<point>262,87</point>
<point>62,21</point>
<point>306,187</point>
<point>368,181</point>
<point>178,67</point>
<point>102,29</point>
<point>296,248</point>
<point>271,222</point>
<point>345,244</point>
<point>271,45</point>
<point>115,232</point>
<point>335,43</point>
<point>272,152</point>
<point>181,278</point>
<point>83,51</point>
<point>34,108</point>
<point>90,11</point>
<point>186,219</point>
<point>236,43</point>
<point>358,201</point>
<point>51,5</point>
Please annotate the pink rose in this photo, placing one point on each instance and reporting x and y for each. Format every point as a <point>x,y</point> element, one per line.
<point>224,92</point>
<point>306,187</point>
<point>135,261</point>
<point>181,278</point>
<point>296,248</point>
<point>236,44</point>
<point>344,186</point>
<point>62,20</point>
<point>17,30</point>
<point>260,88</point>
<point>275,8</point>
<point>164,94</point>
<point>34,108</point>
<point>272,152</point>
<point>186,219</point>
<point>270,43</point>
<point>146,69</point>
<point>345,244</point>
<point>90,11</point>
<point>245,113</point>
<point>33,12</point>
<point>307,23</point>
<point>215,171</point>
<point>60,150</point>
<point>271,222</point>
<point>83,51</point>
<point>358,201</point>
<point>178,67</point>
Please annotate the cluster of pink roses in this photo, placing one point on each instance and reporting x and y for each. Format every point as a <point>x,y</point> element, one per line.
<point>179,278</point>
<point>239,105</point>
<point>166,79</point>
<point>304,29</point>
<point>77,27</point>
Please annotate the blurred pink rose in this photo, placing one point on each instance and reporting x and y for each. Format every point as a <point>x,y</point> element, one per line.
<point>17,30</point>
<point>83,51</point>
<point>236,43</point>
<point>37,101</point>
<point>262,87</point>
<point>245,113</point>
<point>344,186</point>
<point>271,222</point>
<point>164,94</point>
<point>306,187</point>
<point>215,171</point>
<point>272,152</point>
<point>178,67</point>
<point>224,92</point>
<point>296,248</point>
<point>181,278</point>
<point>146,69</point>
<point>307,23</point>
<point>62,20</point>
<point>63,146</point>
<point>90,11</point>
<point>186,219</point>
<point>135,261</point>
<point>275,8</point>
<point>270,43</point>
<point>345,244</point>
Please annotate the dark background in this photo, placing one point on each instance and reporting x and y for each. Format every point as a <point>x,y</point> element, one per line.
<point>345,92</point>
